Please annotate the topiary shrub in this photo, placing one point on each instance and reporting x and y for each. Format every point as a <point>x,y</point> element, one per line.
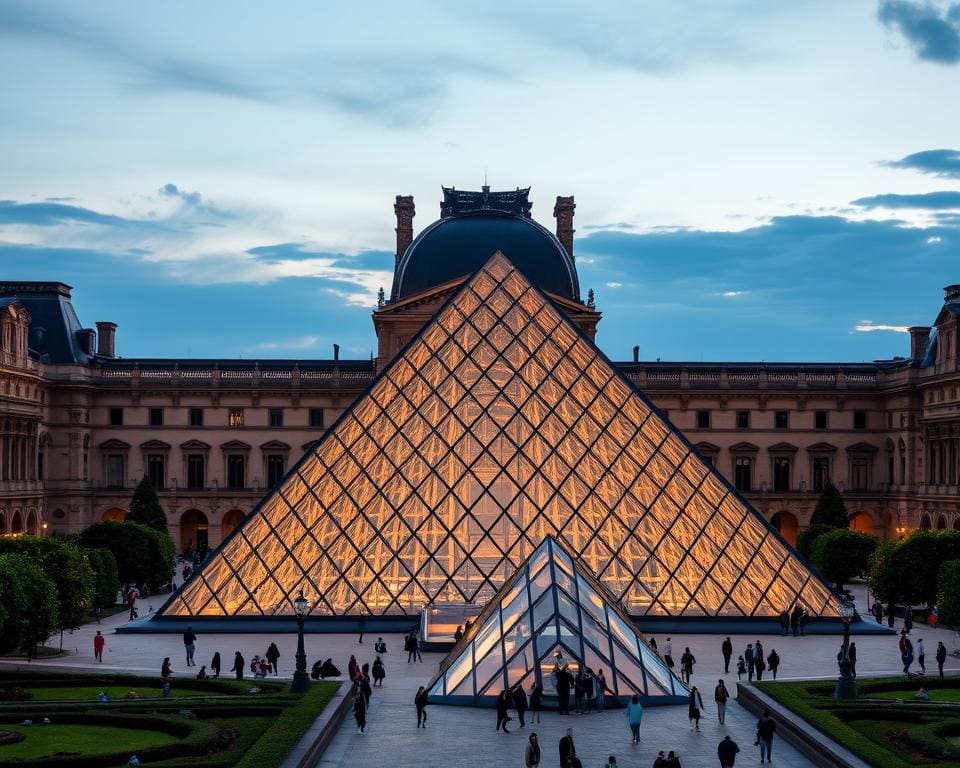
<point>948,593</point>
<point>143,554</point>
<point>807,538</point>
<point>830,509</point>
<point>145,507</point>
<point>841,554</point>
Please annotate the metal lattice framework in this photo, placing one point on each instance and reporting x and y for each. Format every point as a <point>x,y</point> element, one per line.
<point>500,424</point>
<point>552,613</point>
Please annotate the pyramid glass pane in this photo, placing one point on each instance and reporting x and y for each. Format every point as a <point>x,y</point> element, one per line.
<point>498,426</point>
<point>567,627</point>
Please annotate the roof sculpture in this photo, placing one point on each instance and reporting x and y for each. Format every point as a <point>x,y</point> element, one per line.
<point>552,613</point>
<point>498,426</point>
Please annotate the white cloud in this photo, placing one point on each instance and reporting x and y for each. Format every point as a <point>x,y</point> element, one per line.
<point>614,285</point>
<point>866,326</point>
<point>934,239</point>
<point>734,294</point>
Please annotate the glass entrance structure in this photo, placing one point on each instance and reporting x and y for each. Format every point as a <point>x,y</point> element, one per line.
<point>498,426</point>
<point>552,615</point>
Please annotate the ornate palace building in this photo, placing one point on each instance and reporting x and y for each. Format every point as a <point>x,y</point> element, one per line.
<point>79,425</point>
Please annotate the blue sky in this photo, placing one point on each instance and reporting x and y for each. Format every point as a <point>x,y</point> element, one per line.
<point>754,180</point>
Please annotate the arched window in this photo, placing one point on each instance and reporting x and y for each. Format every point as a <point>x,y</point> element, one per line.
<point>925,522</point>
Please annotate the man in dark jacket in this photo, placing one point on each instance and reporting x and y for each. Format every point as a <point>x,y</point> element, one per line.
<point>727,752</point>
<point>727,649</point>
<point>564,678</point>
<point>520,703</point>
<point>189,645</point>
<point>765,730</point>
<point>567,749</point>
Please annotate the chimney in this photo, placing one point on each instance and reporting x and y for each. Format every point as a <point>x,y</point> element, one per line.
<point>563,213</point>
<point>85,339</point>
<point>106,339</point>
<point>405,211</point>
<point>636,354</point>
<point>336,352</point>
<point>919,335</point>
<point>951,293</point>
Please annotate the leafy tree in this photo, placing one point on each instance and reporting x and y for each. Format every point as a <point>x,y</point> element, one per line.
<point>842,554</point>
<point>145,507</point>
<point>106,584</point>
<point>143,554</point>
<point>67,566</point>
<point>948,596</point>
<point>830,509</point>
<point>907,571</point>
<point>28,603</point>
<point>807,538</point>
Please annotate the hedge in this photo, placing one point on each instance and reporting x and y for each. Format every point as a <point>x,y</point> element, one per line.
<point>948,596</point>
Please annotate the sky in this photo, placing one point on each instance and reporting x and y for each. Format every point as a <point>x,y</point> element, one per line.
<point>762,180</point>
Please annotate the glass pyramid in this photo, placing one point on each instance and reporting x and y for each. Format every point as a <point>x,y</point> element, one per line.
<point>499,425</point>
<point>552,613</point>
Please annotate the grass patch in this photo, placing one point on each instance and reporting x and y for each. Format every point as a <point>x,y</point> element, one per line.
<point>42,652</point>
<point>907,694</point>
<point>91,692</point>
<point>44,741</point>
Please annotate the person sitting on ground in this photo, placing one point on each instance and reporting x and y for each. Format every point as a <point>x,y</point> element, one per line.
<point>329,670</point>
<point>263,668</point>
<point>458,634</point>
<point>202,674</point>
<point>922,695</point>
<point>380,646</point>
<point>315,669</point>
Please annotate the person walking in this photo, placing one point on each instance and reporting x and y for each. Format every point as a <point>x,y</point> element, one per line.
<point>673,760</point>
<point>420,701</point>
<point>563,689</point>
<point>760,664</point>
<point>795,620</point>
<point>273,658</point>
<point>906,654</point>
<point>668,653</point>
<point>359,707</point>
<point>520,703</point>
<point>578,691</point>
<point>238,663</point>
<point>531,753</point>
<point>601,688</point>
<point>696,704</point>
<point>741,667</point>
<point>536,701</point>
<point>99,641</point>
<point>921,656</point>
<point>941,657</point>
<point>635,718</point>
<point>415,645</point>
<point>773,662</point>
<point>503,704</point>
<point>766,727</point>
<point>748,658</point>
<point>132,602</point>
<point>687,661</point>
<point>727,752</point>
<point>568,749</point>
<point>189,645</point>
<point>785,623</point>
<point>166,672</point>
<point>721,695</point>
<point>215,665</point>
<point>379,672</point>
<point>852,658</point>
<point>727,649</point>
<point>365,683</point>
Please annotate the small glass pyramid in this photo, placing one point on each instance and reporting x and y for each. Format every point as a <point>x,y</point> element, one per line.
<point>552,613</point>
<point>499,425</point>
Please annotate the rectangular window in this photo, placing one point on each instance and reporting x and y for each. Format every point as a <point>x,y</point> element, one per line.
<point>859,474</point>
<point>703,419</point>
<point>743,419</point>
<point>781,473</point>
<point>781,419</point>
<point>821,473</point>
<point>235,471</point>
<point>156,471</point>
<point>195,470</point>
<point>276,417</point>
<point>276,468</point>
<point>156,417</point>
<point>196,417</point>
<point>743,473</point>
<point>235,417</point>
<point>316,417</point>
<point>116,417</point>
<point>114,469</point>
<point>859,419</point>
<point>820,420</point>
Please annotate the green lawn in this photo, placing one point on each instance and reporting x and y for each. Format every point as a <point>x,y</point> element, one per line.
<point>49,740</point>
<point>907,694</point>
<point>90,693</point>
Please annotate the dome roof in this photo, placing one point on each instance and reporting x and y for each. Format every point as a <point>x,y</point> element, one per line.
<point>458,245</point>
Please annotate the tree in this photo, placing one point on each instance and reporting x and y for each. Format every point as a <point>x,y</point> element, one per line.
<point>842,554</point>
<point>884,577</point>
<point>67,566</point>
<point>145,507</point>
<point>807,538</point>
<point>948,596</point>
<point>143,554</point>
<point>830,509</point>
<point>908,571</point>
<point>106,583</point>
<point>28,603</point>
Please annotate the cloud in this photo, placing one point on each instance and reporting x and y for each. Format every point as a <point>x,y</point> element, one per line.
<point>945,200</point>
<point>614,284</point>
<point>933,239</point>
<point>867,326</point>
<point>932,32</point>
<point>52,214</point>
<point>734,294</point>
<point>944,163</point>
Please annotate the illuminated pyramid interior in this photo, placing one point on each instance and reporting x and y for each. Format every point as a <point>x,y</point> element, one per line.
<point>552,613</point>
<point>499,425</point>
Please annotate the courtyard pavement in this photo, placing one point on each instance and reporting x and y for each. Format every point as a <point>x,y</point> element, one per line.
<point>463,736</point>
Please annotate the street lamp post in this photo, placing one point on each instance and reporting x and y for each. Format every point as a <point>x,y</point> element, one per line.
<point>846,687</point>
<point>301,681</point>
